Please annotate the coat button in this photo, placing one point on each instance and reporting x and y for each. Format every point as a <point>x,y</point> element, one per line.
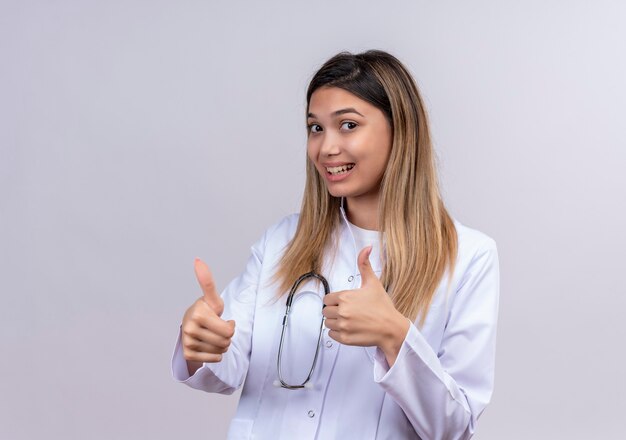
<point>329,344</point>
<point>311,413</point>
<point>350,278</point>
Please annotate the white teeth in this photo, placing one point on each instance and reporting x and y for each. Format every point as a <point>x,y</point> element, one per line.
<point>339,170</point>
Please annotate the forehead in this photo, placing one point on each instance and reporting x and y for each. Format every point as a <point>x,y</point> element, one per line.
<point>326,100</point>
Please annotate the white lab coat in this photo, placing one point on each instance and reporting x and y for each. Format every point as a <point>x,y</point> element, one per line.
<point>438,387</point>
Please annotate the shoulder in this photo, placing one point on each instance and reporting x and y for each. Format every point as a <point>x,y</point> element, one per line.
<point>477,254</point>
<point>471,242</point>
<point>270,246</point>
<point>283,229</point>
<point>278,235</point>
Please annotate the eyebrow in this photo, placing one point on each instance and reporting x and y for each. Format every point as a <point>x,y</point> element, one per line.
<point>339,112</point>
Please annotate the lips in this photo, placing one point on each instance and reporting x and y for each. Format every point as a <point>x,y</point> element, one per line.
<point>338,170</point>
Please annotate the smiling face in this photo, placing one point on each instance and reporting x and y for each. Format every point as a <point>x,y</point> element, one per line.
<point>349,141</point>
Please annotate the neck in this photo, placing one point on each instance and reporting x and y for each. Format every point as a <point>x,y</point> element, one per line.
<point>363,212</point>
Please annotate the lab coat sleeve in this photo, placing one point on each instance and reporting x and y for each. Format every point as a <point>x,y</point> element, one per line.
<point>444,393</point>
<point>239,297</point>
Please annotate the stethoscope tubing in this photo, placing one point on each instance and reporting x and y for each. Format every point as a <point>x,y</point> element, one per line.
<point>289,303</point>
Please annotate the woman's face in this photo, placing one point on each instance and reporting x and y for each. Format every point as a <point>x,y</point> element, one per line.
<point>349,141</point>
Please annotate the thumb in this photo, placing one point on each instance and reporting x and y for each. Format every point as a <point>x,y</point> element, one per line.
<point>365,268</point>
<point>205,279</point>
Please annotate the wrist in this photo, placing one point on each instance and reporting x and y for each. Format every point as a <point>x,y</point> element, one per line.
<point>394,338</point>
<point>193,366</point>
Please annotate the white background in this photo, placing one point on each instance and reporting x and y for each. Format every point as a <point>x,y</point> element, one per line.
<point>137,135</point>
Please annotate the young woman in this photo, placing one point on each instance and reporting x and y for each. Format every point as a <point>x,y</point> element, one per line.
<point>371,314</point>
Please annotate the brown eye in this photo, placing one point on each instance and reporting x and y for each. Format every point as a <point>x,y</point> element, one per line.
<point>314,128</point>
<point>349,125</point>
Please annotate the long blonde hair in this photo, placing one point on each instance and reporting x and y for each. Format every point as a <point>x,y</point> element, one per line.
<point>420,236</point>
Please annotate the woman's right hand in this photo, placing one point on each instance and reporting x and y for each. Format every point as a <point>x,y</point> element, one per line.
<point>205,336</point>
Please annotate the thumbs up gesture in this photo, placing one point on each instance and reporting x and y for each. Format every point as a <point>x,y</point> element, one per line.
<point>205,335</point>
<point>366,316</point>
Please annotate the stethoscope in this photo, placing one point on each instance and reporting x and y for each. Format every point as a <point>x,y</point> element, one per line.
<point>290,297</point>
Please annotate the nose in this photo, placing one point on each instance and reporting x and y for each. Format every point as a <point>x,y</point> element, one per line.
<point>330,145</point>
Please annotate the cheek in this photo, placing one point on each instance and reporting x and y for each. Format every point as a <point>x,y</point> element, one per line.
<point>378,164</point>
<point>312,151</point>
<point>384,152</point>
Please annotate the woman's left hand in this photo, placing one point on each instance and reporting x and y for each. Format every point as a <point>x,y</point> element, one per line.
<point>366,316</point>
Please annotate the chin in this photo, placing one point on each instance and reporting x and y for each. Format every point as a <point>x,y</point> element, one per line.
<point>340,194</point>
<point>335,192</point>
